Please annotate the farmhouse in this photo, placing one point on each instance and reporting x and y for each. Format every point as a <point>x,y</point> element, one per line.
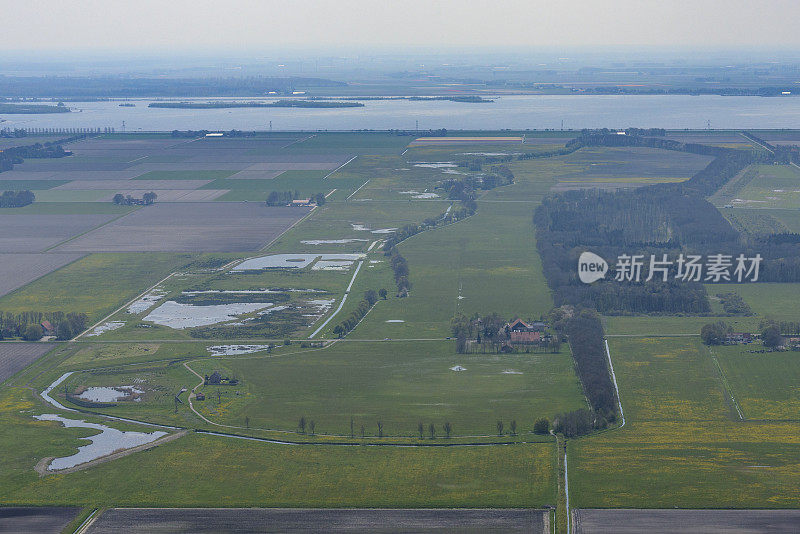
<point>199,396</point>
<point>48,328</point>
<point>524,333</point>
<point>738,338</point>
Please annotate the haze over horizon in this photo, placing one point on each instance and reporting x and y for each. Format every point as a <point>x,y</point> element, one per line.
<point>242,26</point>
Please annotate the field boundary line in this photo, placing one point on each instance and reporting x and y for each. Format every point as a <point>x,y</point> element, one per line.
<point>298,221</point>
<point>752,140</point>
<point>566,490</point>
<point>341,304</point>
<point>334,171</point>
<point>357,190</point>
<point>48,249</point>
<point>614,378</point>
<point>83,527</point>
<point>134,299</point>
<point>725,384</point>
<point>299,141</point>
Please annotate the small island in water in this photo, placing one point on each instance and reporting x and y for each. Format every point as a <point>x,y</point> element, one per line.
<point>276,104</point>
<point>31,109</point>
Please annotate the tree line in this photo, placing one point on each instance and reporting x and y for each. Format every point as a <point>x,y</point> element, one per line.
<point>587,341</point>
<point>127,200</point>
<point>657,219</point>
<point>16,199</point>
<point>51,149</point>
<point>370,299</point>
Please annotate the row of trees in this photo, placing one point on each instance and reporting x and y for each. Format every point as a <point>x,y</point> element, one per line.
<point>400,269</point>
<point>16,199</point>
<point>370,298</point>
<point>587,340</point>
<point>579,422</point>
<point>309,426</point>
<point>127,200</point>
<point>450,216</point>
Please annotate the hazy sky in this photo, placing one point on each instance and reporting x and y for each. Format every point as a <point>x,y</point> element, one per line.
<point>183,25</point>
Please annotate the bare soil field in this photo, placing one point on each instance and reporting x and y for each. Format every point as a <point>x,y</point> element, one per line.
<point>16,270</point>
<point>168,195</point>
<point>185,227</point>
<point>296,166</point>
<point>146,166</point>
<point>246,520</point>
<point>95,176</point>
<point>255,175</point>
<point>41,519</point>
<point>34,233</point>
<point>13,358</point>
<point>700,521</point>
<point>147,185</point>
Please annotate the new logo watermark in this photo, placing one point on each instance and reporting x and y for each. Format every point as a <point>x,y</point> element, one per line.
<point>684,267</point>
<point>591,267</point>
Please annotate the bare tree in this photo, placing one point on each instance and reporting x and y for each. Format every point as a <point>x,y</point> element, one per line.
<point>302,425</point>
<point>380,429</point>
<point>447,429</point>
<point>363,431</point>
<point>513,427</point>
<point>499,428</point>
<point>432,430</point>
<point>352,434</point>
<point>421,429</point>
<point>312,425</point>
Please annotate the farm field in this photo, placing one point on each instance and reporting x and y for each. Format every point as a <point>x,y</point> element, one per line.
<point>664,521</point>
<point>210,280</point>
<point>189,228</point>
<point>16,270</point>
<point>16,356</point>
<point>96,284</point>
<point>398,384</point>
<point>626,167</point>
<point>774,186</point>
<point>765,385</point>
<point>250,473</point>
<point>37,519</point>
<point>683,444</point>
<point>455,261</point>
<point>282,520</point>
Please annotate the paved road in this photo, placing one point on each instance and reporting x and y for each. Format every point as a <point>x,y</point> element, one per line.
<point>686,521</point>
<point>247,520</point>
<point>40,519</point>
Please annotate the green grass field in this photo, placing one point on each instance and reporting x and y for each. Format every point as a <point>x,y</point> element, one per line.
<point>185,175</point>
<point>246,473</point>
<point>764,384</point>
<point>483,259</point>
<point>96,284</point>
<point>683,445</point>
<point>775,186</point>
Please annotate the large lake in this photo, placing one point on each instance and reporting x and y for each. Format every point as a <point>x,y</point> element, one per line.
<point>514,112</point>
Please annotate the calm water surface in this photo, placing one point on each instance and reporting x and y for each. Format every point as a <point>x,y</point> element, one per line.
<point>514,112</point>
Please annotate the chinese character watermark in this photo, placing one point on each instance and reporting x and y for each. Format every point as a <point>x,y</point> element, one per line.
<point>685,268</point>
